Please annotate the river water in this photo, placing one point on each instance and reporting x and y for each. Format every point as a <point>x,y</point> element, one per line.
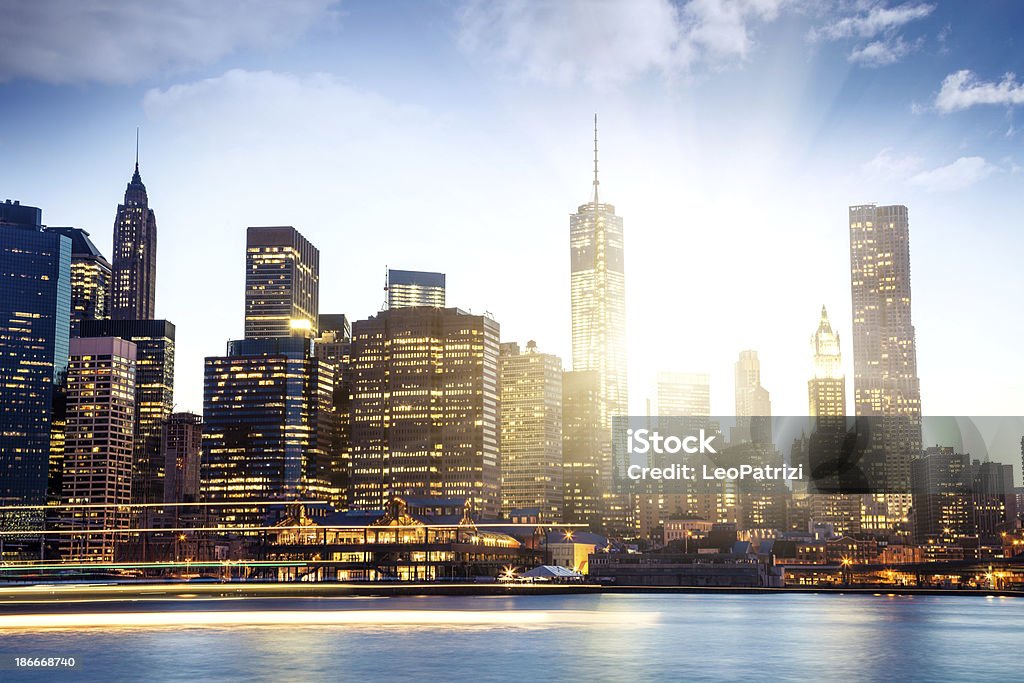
<point>609,637</point>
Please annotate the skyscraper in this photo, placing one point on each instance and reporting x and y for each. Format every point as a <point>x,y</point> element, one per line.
<point>154,395</point>
<point>133,290</point>
<point>334,347</point>
<point>583,444</point>
<point>826,390</point>
<point>425,408</point>
<point>753,404</point>
<point>598,297</point>
<point>531,431</point>
<point>183,443</point>
<point>826,403</point>
<point>90,279</point>
<point>684,394</point>
<point>99,444</point>
<point>35,310</point>
<point>885,381</point>
<point>265,430</point>
<point>415,288</point>
<point>282,283</point>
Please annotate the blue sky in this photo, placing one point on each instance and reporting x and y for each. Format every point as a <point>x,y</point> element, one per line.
<point>456,136</point>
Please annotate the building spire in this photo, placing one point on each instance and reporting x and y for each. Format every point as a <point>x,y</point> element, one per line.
<point>596,181</point>
<point>136,149</point>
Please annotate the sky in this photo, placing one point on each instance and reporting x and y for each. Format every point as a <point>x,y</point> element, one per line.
<point>457,136</point>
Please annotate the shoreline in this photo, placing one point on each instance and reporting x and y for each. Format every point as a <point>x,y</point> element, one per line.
<point>14,599</point>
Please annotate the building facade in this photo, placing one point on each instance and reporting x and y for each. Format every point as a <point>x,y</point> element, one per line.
<point>415,288</point>
<point>183,447</point>
<point>598,298</point>
<point>35,311</point>
<point>531,431</point>
<point>99,446</point>
<point>265,427</point>
<point>582,449</point>
<point>425,414</point>
<point>133,285</point>
<point>90,279</point>
<point>885,382</point>
<point>154,395</point>
<point>282,283</point>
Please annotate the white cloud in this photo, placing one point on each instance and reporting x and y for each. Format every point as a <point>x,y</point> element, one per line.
<point>883,52</point>
<point>610,42</point>
<point>878,19</point>
<point>880,27</point>
<point>109,41</point>
<point>962,90</point>
<point>888,167</point>
<point>960,174</point>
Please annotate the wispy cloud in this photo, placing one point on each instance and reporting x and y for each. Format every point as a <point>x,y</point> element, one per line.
<point>959,175</point>
<point>109,41</point>
<point>962,90</point>
<point>608,43</point>
<point>875,29</point>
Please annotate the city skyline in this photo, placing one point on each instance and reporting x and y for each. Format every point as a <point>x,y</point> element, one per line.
<point>672,171</point>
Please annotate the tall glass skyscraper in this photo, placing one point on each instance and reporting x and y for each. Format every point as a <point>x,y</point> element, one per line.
<point>90,279</point>
<point>885,382</point>
<point>35,313</point>
<point>282,283</point>
<point>415,288</point>
<point>266,435</point>
<point>133,292</point>
<point>598,295</point>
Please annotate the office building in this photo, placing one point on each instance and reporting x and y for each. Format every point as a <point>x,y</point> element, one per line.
<point>531,431</point>
<point>598,297</point>
<point>266,429</point>
<point>183,444</point>
<point>133,288</point>
<point>415,288</point>
<point>683,394</point>
<point>885,382</point>
<point>90,279</point>
<point>826,403</point>
<point>99,446</point>
<point>282,283</point>
<point>425,408</point>
<point>753,404</point>
<point>35,313</point>
<point>583,442</point>
<point>334,347</point>
<point>154,395</point>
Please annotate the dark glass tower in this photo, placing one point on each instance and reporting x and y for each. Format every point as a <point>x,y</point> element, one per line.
<point>35,310</point>
<point>134,268</point>
<point>90,279</point>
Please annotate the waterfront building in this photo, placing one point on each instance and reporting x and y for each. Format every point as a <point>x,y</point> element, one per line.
<point>35,313</point>
<point>266,427</point>
<point>282,283</point>
<point>415,288</point>
<point>99,446</point>
<point>531,431</point>
<point>425,414</point>
<point>334,347</point>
